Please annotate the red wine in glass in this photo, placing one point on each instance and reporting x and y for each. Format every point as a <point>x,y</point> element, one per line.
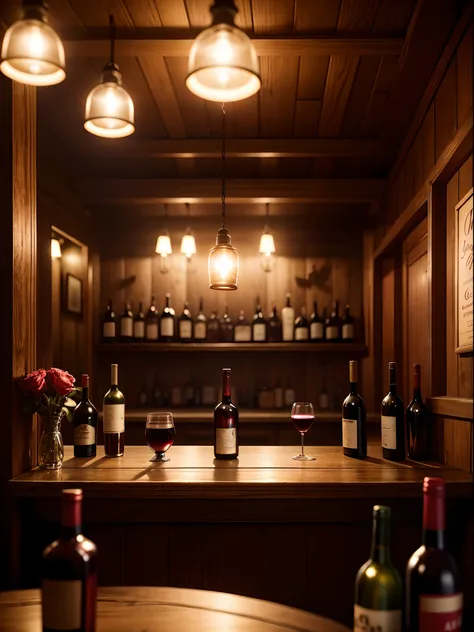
<point>302,417</point>
<point>302,423</point>
<point>160,439</point>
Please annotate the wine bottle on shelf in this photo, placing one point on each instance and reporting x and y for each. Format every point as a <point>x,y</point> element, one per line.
<point>289,395</point>
<point>114,417</point>
<point>347,325</point>
<point>242,329</point>
<point>378,589</point>
<point>278,394</point>
<point>316,326</point>
<point>274,332</point>
<point>324,318</point>
<point>333,324</point>
<point>393,420</point>
<point>84,422</point>
<point>354,436</point>
<point>434,600</point>
<point>126,323</point>
<point>417,418</point>
<point>152,322</point>
<point>185,325</point>
<point>157,395</point>
<point>213,328</point>
<point>302,327</point>
<point>69,573</point>
<point>167,321</point>
<point>200,324</point>
<point>226,329</point>
<point>143,397</point>
<point>288,321</point>
<point>259,324</point>
<point>139,325</point>
<point>323,397</point>
<point>109,333</point>
<point>226,423</point>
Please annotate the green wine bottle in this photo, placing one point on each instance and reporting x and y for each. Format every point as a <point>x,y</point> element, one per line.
<point>378,589</point>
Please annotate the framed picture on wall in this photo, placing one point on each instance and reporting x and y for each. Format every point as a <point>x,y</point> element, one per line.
<point>463,277</point>
<point>73,295</point>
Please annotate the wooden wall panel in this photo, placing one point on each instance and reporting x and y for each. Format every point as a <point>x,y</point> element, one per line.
<point>446,110</point>
<point>464,75</point>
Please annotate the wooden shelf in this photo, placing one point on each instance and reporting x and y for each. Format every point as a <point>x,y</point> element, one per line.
<point>284,347</point>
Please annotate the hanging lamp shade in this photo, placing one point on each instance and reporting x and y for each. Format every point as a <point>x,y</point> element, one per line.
<point>55,249</point>
<point>223,263</point>
<point>223,64</point>
<point>32,51</point>
<point>188,244</point>
<point>267,243</point>
<point>163,244</point>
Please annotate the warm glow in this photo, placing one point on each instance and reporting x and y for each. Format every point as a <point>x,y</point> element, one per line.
<point>163,245</point>
<point>223,268</point>
<point>267,244</point>
<point>109,111</point>
<point>55,249</point>
<point>188,245</point>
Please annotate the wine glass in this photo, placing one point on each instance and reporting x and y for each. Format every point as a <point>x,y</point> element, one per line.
<point>302,417</point>
<point>159,434</point>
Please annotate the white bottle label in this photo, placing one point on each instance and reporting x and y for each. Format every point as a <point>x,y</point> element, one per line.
<point>152,331</point>
<point>61,604</point>
<point>139,329</point>
<point>332,332</point>
<point>317,331</point>
<point>348,331</point>
<point>84,434</point>
<point>167,327</point>
<point>301,333</point>
<point>109,330</point>
<point>242,333</point>
<point>288,323</point>
<point>349,433</point>
<point>126,327</point>
<point>200,331</point>
<point>226,441</point>
<point>185,330</point>
<point>440,613</point>
<point>114,417</point>
<point>259,332</point>
<point>389,432</point>
<point>367,620</point>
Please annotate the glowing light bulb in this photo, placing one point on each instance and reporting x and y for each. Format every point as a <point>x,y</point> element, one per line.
<point>55,249</point>
<point>222,51</point>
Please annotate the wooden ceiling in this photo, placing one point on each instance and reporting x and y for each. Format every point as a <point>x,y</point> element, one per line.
<point>341,80</point>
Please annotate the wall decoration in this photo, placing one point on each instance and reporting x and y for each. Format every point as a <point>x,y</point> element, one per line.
<point>318,277</point>
<point>73,295</point>
<point>464,276</point>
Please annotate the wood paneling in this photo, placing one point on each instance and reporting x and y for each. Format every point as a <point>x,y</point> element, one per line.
<point>446,110</point>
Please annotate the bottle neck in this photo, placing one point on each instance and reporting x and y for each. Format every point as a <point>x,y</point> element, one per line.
<point>288,301</point>
<point>417,385</point>
<point>85,393</point>
<point>433,520</point>
<point>71,519</point>
<point>380,551</point>
<point>353,388</point>
<point>392,379</point>
<point>226,387</point>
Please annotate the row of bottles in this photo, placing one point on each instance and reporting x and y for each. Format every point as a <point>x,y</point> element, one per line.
<point>166,327</point>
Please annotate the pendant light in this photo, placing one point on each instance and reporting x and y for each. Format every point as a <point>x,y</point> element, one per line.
<point>267,247</point>
<point>163,248</point>
<point>223,64</point>
<point>55,249</point>
<point>32,52</point>
<point>109,107</point>
<point>223,258</point>
<point>188,243</point>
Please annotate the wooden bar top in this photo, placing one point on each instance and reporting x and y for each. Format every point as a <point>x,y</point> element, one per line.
<point>260,472</point>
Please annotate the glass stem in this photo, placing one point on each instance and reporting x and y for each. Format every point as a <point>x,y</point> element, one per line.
<point>302,443</point>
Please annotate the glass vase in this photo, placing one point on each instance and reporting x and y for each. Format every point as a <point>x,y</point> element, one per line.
<point>51,448</point>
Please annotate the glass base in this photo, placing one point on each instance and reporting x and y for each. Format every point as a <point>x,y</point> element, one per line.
<point>160,457</point>
<point>303,457</point>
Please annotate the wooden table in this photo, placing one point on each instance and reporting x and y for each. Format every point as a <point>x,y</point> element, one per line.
<point>131,608</point>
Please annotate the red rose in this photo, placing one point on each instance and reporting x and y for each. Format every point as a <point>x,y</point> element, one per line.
<point>61,381</point>
<point>34,382</point>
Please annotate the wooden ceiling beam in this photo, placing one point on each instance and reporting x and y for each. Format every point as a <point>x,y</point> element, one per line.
<point>251,191</point>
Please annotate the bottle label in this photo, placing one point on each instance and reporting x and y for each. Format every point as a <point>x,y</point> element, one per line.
<point>167,327</point>
<point>288,322</point>
<point>301,333</point>
<point>348,331</point>
<point>84,434</point>
<point>200,331</point>
<point>349,433</point>
<point>126,327</point>
<point>389,432</point>
<point>259,332</point>
<point>317,331</point>
<point>152,331</point>
<point>139,329</point>
<point>440,613</point>
<point>367,620</point>
<point>109,330</point>
<point>114,417</point>
<point>226,441</point>
<point>61,604</point>
<point>242,333</point>
<point>185,329</point>
<point>332,332</point>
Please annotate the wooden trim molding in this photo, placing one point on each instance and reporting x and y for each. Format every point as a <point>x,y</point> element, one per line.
<point>458,407</point>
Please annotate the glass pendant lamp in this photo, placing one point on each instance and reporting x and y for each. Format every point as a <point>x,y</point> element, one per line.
<point>163,248</point>
<point>223,64</point>
<point>188,242</point>
<point>32,52</point>
<point>267,248</point>
<point>109,107</point>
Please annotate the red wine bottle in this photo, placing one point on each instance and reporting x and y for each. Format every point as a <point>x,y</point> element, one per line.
<point>226,423</point>
<point>333,324</point>
<point>126,323</point>
<point>347,325</point>
<point>354,436</point>
<point>200,324</point>
<point>213,328</point>
<point>139,325</point>
<point>393,420</point>
<point>274,330</point>
<point>69,573</point>
<point>185,325</point>
<point>418,418</point>
<point>167,322</point>
<point>109,333</point>
<point>433,594</point>
<point>114,417</point>
<point>259,324</point>
<point>84,421</point>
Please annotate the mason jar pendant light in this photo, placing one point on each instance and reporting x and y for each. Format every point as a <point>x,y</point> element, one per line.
<point>223,64</point>
<point>188,243</point>
<point>109,107</point>
<point>163,248</point>
<point>223,258</point>
<point>267,247</point>
<point>32,52</point>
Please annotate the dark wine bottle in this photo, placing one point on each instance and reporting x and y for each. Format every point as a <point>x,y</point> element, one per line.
<point>274,328</point>
<point>114,417</point>
<point>109,333</point>
<point>139,325</point>
<point>354,436</point>
<point>185,325</point>
<point>333,324</point>
<point>226,423</point>
<point>200,324</point>
<point>434,599</point>
<point>167,322</point>
<point>324,318</point>
<point>378,590</point>
<point>126,323</point>
<point>242,329</point>
<point>393,420</point>
<point>259,324</point>
<point>302,327</point>
<point>226,328</point>
<point>152,322</point>
<point>316,326</point>
<point>418,418</point>
<point>213,328</point>
<point>84,421</point>
<point>347,325</point>
<point>69,573</point>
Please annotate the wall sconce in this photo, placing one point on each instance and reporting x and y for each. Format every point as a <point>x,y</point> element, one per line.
<point>55,249</point>
<point>267,248</point>
<point>163,248</point>
<point>188,245</point>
